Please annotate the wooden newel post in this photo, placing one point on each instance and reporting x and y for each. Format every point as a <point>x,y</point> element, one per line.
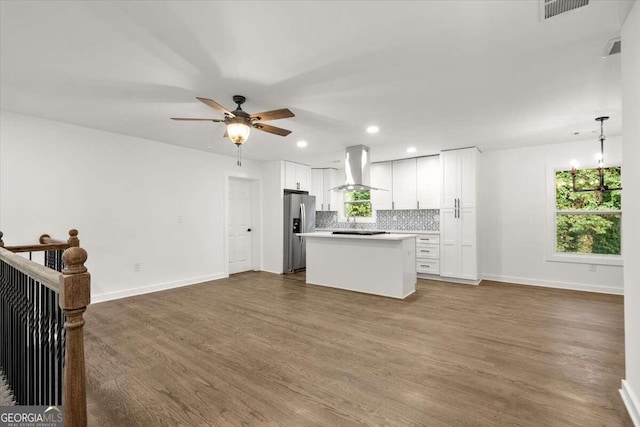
<point>1,242</point>
<point>73,238</point>
<point>75,296</point>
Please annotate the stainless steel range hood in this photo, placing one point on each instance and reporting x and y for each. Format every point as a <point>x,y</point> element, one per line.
<point>357,170</point>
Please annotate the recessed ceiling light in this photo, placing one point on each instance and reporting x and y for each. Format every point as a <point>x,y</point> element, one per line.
<point>411,150</point>
<point>373,129</point>
<point>210,146</point>
<point>302,144</point>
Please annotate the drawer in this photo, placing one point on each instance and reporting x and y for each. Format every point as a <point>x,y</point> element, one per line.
<point>428,251</point>
<point>428,266</point>
<point>427,238</point>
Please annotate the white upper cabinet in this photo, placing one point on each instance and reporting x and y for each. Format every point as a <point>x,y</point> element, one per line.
<point>297,176</point>
<point>459,178</point>
<point>323,180</point>
<point>331,179</point>
<point>429,182</point>
<point>468,178</point>
<point>317,187</point>
<point>404,184</point>
<point>381,177</point>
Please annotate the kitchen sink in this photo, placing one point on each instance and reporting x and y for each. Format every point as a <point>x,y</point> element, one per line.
<point>359,232</point>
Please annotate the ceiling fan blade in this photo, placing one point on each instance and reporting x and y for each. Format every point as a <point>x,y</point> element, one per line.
<point>205,120</point>
<point>271,129</point>
<point>213,104</point>
<point>265,116</point>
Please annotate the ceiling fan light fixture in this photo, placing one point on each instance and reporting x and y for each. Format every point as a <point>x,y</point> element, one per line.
<point>238,132</point>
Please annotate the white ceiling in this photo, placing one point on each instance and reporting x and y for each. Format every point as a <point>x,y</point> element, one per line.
<point>434,74</point>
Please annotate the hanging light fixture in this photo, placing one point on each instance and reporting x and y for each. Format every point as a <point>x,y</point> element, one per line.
<point>238,128</point>
<point>600,158</point>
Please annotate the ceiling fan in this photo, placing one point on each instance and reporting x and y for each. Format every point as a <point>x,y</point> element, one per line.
<point>239,122</point>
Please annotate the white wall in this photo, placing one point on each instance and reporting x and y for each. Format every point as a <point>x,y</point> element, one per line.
<point>512,216</point>
<point>124,195</point>
<point>631,207</point>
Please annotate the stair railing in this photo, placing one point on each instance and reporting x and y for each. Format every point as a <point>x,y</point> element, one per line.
<point>41,324</point>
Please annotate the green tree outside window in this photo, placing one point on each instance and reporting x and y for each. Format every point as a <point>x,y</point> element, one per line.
<point>588,222</point>
<point>358,204</point>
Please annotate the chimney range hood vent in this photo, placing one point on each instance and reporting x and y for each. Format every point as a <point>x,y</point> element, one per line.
<point>357,170</point>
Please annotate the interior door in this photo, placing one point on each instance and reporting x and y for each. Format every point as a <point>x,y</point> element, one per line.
<point>240,240</point>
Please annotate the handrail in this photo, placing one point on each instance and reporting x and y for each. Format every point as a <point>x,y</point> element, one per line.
<point>37,247</point>
<point>45,239</point>
<point>47,243</point>
<point>48,277</point>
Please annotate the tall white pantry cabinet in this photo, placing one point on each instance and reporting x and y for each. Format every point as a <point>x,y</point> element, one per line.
<point>458,233</point>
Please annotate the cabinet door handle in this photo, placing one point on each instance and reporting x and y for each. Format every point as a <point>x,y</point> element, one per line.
<point>422,250</point>
<point>321,206</point>
<point>418,202</point>
<point>425,265</point>
<point>393,205</point>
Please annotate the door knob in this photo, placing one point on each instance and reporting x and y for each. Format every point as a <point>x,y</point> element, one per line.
<point>248,229</point>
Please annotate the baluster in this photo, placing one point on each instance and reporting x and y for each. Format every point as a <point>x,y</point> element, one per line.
<point>32,342</point>
<point>74,298</point>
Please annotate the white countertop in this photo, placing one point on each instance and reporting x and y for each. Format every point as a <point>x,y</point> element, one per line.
<point>328,234</point>
<point>389,231</point>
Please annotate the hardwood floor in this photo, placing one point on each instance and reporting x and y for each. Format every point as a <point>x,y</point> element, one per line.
<point>263,349</point>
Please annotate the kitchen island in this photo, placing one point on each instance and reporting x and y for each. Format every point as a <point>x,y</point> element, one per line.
<point>383,264</point>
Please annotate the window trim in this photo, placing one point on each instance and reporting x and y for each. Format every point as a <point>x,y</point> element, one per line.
<point>550,235</point>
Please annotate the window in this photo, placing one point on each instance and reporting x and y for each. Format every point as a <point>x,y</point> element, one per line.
<point>587,223</point>
<point>357,204</point>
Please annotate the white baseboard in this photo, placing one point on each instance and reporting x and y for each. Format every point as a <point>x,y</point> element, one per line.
<point>109,296</point>
<point>553,284</point>
<point>631,402</point>
<point>448,279</point>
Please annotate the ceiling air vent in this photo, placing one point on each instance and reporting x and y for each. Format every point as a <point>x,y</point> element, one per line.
<point>551,8</point>
<point>613,46</point>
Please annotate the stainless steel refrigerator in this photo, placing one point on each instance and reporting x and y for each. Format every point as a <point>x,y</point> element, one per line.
<point>299,217</point>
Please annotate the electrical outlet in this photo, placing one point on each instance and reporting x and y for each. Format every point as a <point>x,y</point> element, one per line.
<point>592,267</point>
<point>180,219</point>
<point>137,267</point>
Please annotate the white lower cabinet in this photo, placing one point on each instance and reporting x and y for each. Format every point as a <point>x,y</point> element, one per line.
<point>458,247</point>
<point>428,254</point>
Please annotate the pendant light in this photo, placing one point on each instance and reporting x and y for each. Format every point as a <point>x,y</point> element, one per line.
<point>602,184</point>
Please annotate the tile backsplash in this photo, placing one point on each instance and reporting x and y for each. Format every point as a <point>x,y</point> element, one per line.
<point>413,220</point>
